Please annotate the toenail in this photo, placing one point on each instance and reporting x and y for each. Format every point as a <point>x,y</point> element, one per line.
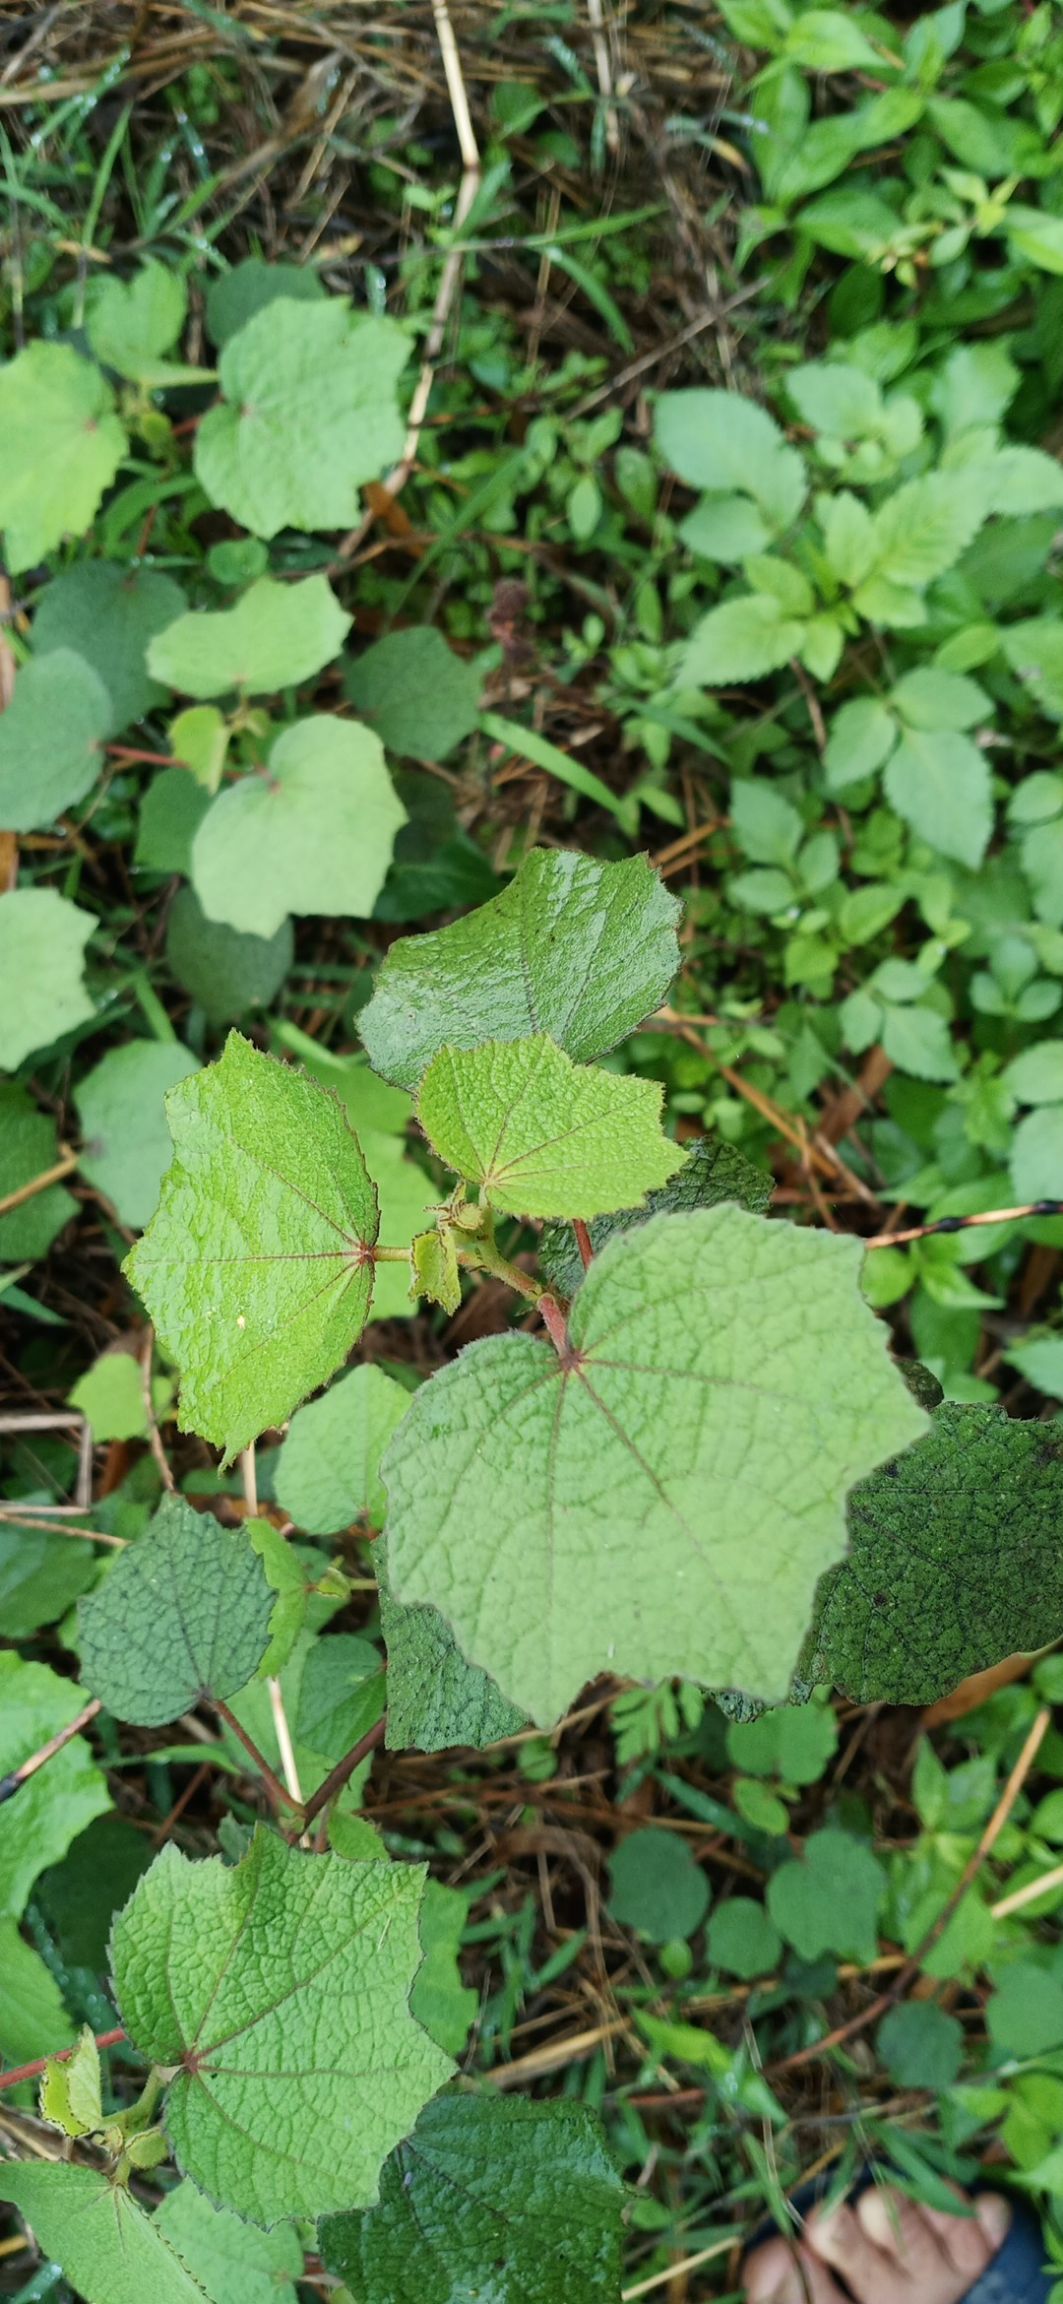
<point>994,2216</point>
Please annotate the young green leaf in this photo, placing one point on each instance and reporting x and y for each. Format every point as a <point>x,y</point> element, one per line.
<point>526,2189</point>
<point>940,783</point>
<point>416,694</point>
<point>125,1139</point>
<point>109,2250</point>
<point>723,442</point>
<point>184,1613</point>
<point>233,2263</point>
<point>439,2000</point>
<point>922,527</point>
<point>742,1939</point>
<point>580,950</point>
<point>828,1899</point>
<point>257,1268</point>
<point>312,831</point>
<point>70,2094</point>
<point>740,640</point>
<point>862,735</point>
<point>110,1396</point>
<point>541,1135</point>
<point>51,740</point>
<point>38,1824</point>
<point>434,1268</point>
<point>954,1561</point>
<point>28,1147</point>
<point>328,1471</point>
<point>712,1172</point>
<point>528,1489</point>
<point>656,1887</point>
<point>132,324</point>
<point>275,636</point>
<point>309,414</point>
<point>60,447</point>
<point>279,1989</point>
<point>436,1698</point>
<point>108,612</point>
<point>42,991</point>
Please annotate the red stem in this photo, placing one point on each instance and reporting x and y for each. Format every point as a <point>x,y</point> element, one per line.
<point>583,1242</point>
<point>33,2071</point>
<point>342,1771</point>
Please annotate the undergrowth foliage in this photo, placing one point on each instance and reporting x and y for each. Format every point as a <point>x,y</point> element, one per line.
<point>685,1463</point>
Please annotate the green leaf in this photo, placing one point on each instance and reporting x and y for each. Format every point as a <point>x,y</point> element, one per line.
<point>543,1136</point>
<point>742,1939</point>
<point>110,1396</point>
<point>711,1172</point>
<point>286,1576</point>
<point>274,637</point>
<point>184,1613</point>
<point>225,972</point>
<point>38,1824</point>
<point>71,2093</point>
<point>794,1742</point>
<point>309,413</point>
<point>940,783</point>
<point>527,2190</point>
<point>132,324</point>
<point>920,2045</point>
<point>125,1140</point>
<point>1035,235</point>
<point>80,1895</point>
<point>740,640</point>
<point>328,1471</point>
<point>60,447</point>
<point>656,1887</point>
<point>1025,2012</point>
<point>108,612</point>
<point>434,1265</point>
<point>720,441</point>
<point>341,1695</point>
<point>242,1978</point>
<point>109,2250</point>
<point>417,695</point>
<point>436,1698</point>
<point>312,831</point>
<point>922,528</point>
<point>42,991</point>
<point>954,1561</point>
<point>1034,650</point>
<point>1036,1162</point>
<point>257,1267</point>
<point>721,1450</point>
<point>580,950</point>
<point>833,397</point>
<point>234,298</point>
<point>828,1900</point>
<point>28,1147</point>
<point>918,1041</point>
<point>1036,1076</point>
<point>51,740</point>
<point>233,2263</point>
<point>33,2017</point>
<point>826,40</point>
<point>766,826</point>
<point>200,737</point>
<point>172,809</point>
<point>931,698</point>
<point>41,1576</point>
<point>440,2001</point>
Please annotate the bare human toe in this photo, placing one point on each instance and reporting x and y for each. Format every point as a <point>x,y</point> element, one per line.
<point>971,2241</point>
<point>777,2274</point>
<point>891,2251</point>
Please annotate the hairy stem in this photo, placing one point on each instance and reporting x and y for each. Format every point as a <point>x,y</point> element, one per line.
<point>344,1769</point>
<point>272,1783</point>
<point>485,1257</point>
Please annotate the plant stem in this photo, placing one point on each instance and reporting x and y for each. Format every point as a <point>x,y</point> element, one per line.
<point>13,1783</point>
<point>63,1167</point>
<point>273,1783</point>
<point>391,1255</point>
<point>485,1257</point>
<point>60,2055</point>
<point>344,1769</point>
<point>583,1242</point>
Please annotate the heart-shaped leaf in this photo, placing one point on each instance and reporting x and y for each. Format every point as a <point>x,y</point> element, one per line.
<point>280,1990</point>
<point>257,1268</point>
<point>107,612</point>
<point>579,950</point>
<point>275,636</point>
<point>541,1135</point>
<point>60,447</point>
<point>126,1143</point>
<point>313,832</point>
<point>51,740</point>
<point>184,1613</point>
<point>660,1499</point>
<point>42,987</point>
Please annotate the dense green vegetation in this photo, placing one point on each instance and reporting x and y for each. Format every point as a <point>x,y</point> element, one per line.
<point>568,1741</point>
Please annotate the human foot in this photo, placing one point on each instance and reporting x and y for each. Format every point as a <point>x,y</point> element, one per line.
<point>887,2251</point>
